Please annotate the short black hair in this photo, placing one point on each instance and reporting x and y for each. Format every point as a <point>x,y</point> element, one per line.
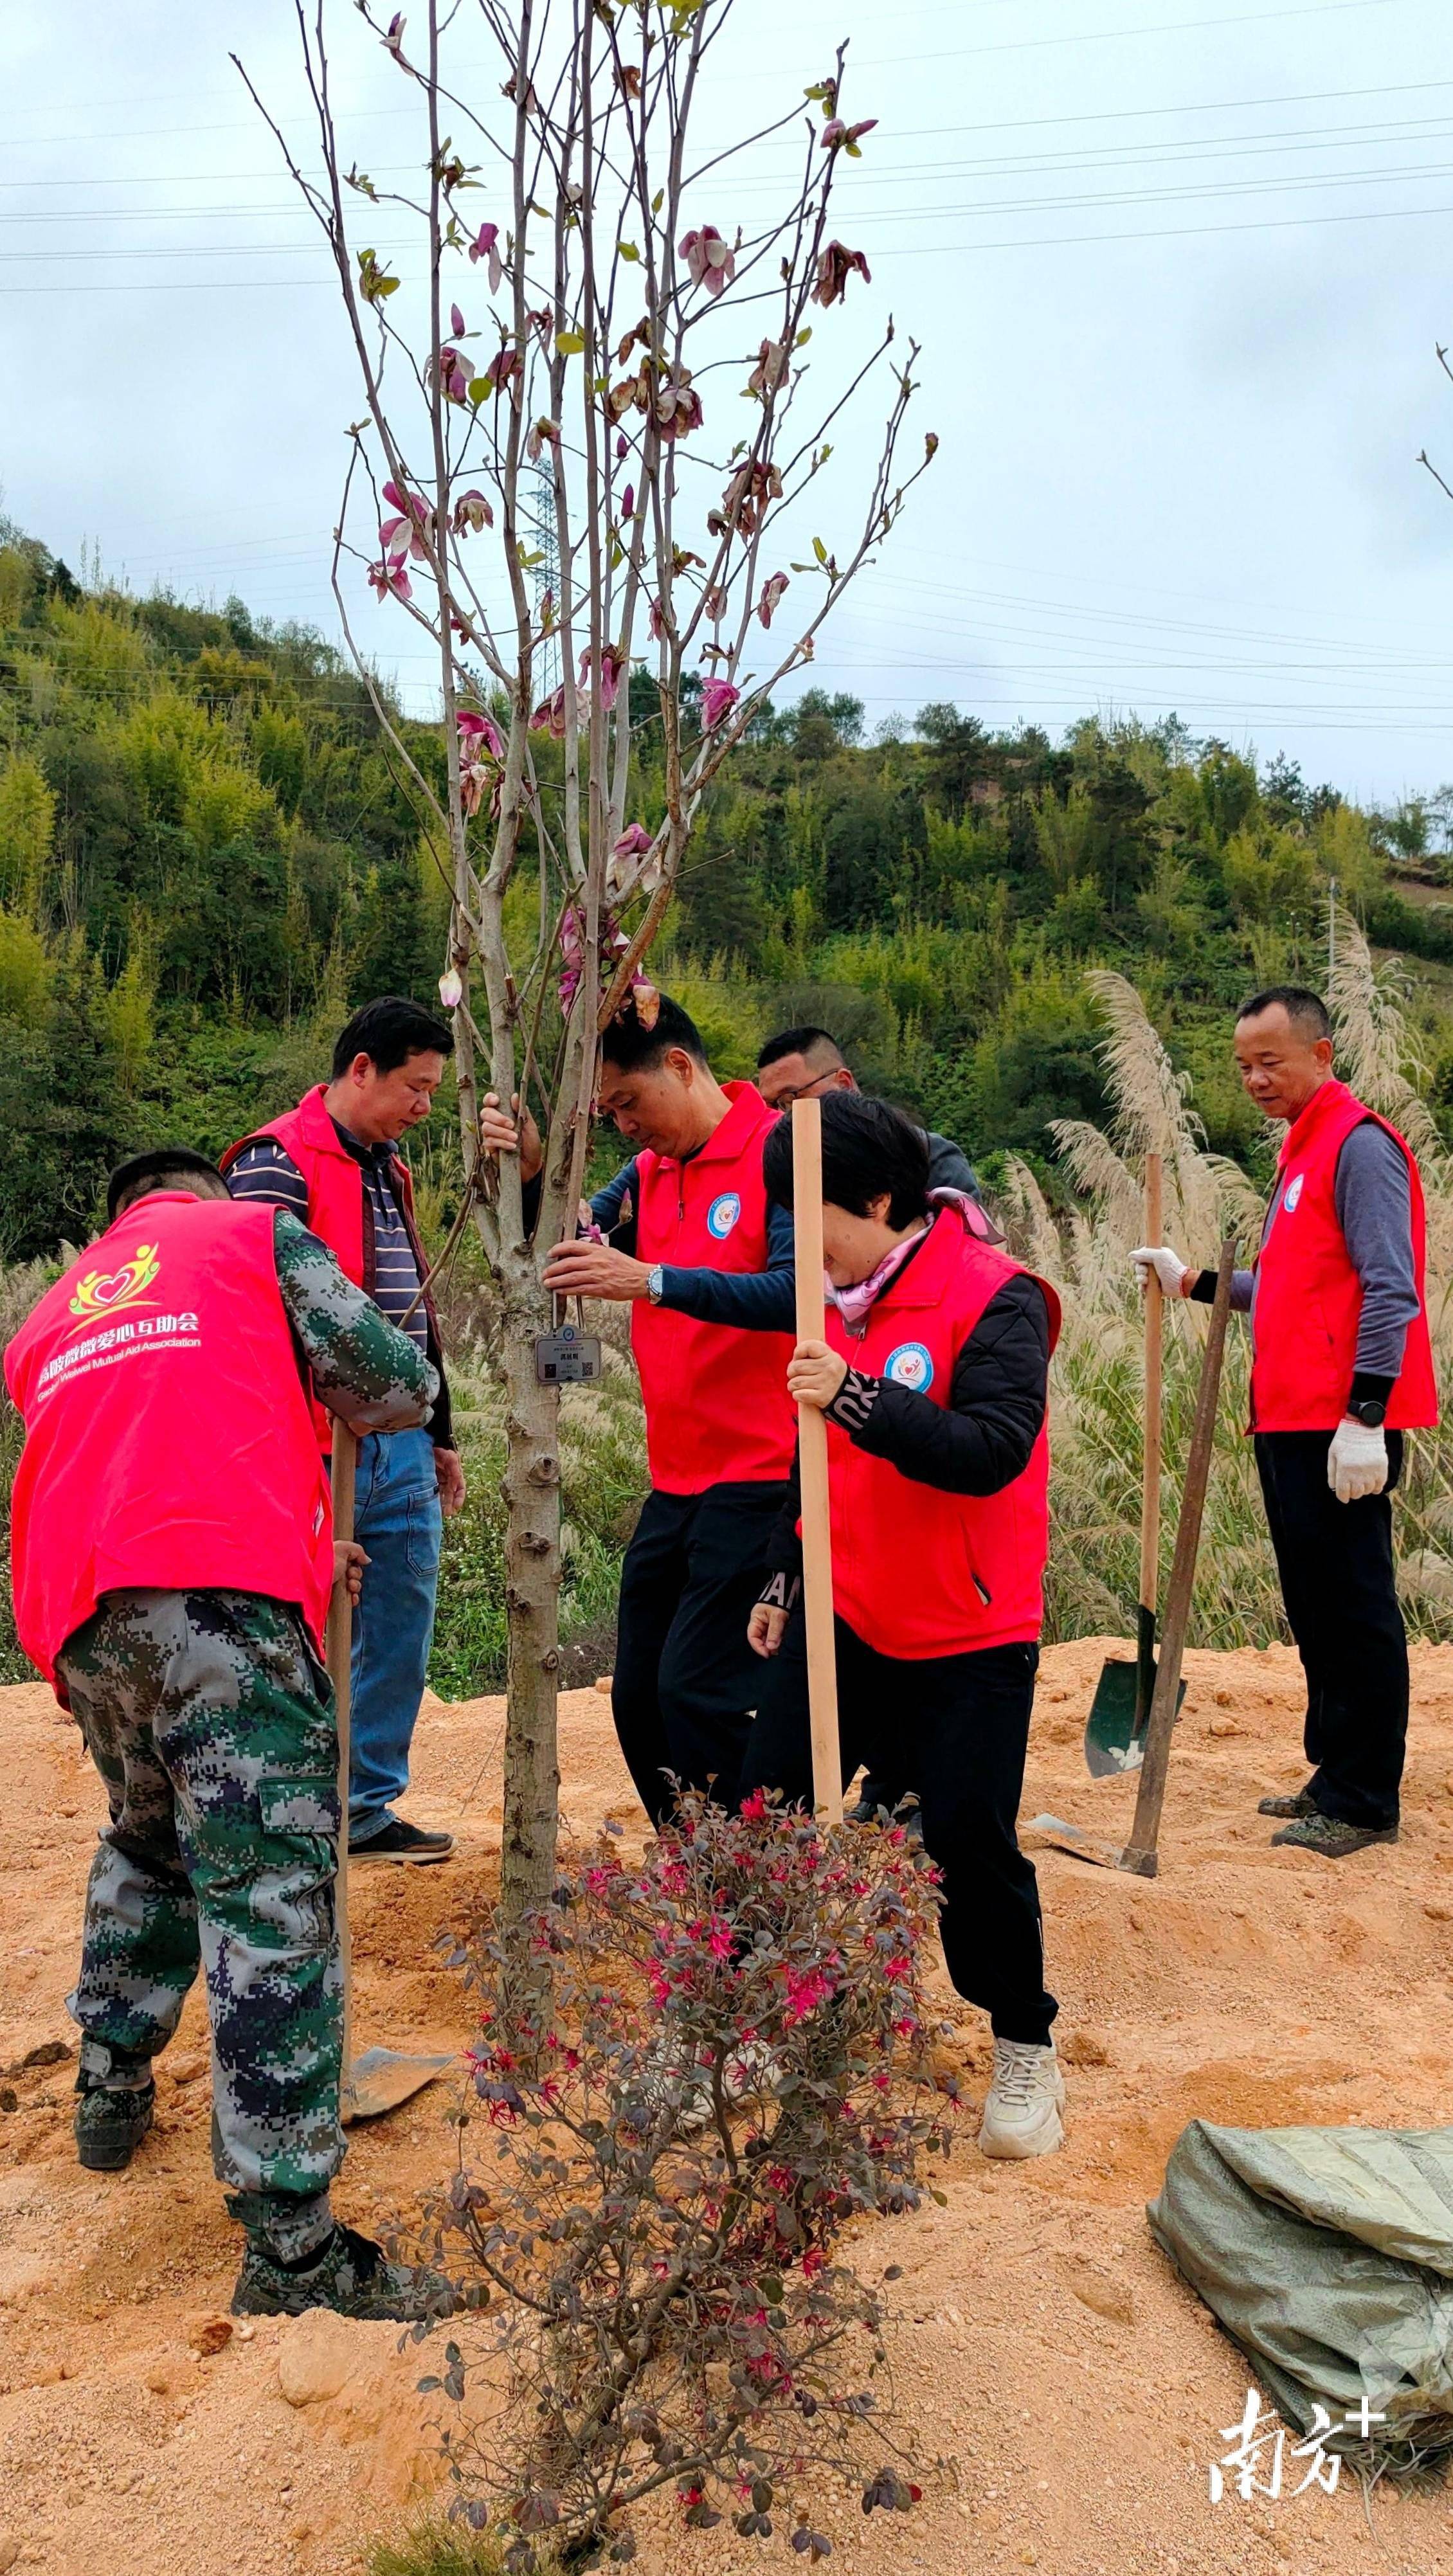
<point>798,1042</point>
<point>161,1167</point>
<point>867,1148</point>
<point>626,1042</point>
<point>1298,1001</point>
<point>388,1032</point>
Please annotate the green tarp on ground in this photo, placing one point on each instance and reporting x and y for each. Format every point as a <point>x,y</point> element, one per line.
<point>1327,2254</point>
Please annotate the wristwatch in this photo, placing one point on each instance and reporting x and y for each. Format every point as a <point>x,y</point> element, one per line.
<point>656,1281</point>
<point>1369,1410</point>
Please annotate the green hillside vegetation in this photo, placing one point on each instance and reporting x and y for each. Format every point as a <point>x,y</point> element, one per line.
<point>207,855</point>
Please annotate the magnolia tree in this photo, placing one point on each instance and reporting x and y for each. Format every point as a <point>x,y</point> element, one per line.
<point>581,298</point>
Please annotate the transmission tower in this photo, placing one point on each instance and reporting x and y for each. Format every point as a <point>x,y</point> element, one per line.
<point>540,526</point>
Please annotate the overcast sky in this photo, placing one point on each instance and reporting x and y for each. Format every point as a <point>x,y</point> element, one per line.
<point>1178,269</point>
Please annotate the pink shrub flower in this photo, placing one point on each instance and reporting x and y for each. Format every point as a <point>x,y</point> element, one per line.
<point>718,698</point>
<point>837,137</point>
<point>549,716</point>
<point>390,578</point>
<point>471,510</point>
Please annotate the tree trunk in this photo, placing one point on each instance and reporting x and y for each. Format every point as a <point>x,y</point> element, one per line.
<point>532,1604</point>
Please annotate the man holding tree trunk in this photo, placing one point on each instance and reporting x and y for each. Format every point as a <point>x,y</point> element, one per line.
<point>684,1235</point>
<point>1341,1367</point>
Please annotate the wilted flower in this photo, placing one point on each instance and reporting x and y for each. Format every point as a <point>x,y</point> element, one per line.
<point>708,259</point>
<point>718,698</point>
<point>767,373</point>
<point>678,405</point>
<point>546,433</point>
<point>746,498</point>
<point>471,510</point>
<point>394,39</point>
<point>771,593</point>
<point>476,731</point>
<point>930,444</point>
<point>836,136</point>
<point>656,621</point>
<point>507,366</point>
<point>624,872</point>
<point>834,268</point>
<point>485,246</point>
<point>451,989</point>
<point>572,951</point>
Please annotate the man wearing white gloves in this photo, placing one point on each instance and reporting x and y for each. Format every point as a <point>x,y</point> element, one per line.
<point>1341,1367</point>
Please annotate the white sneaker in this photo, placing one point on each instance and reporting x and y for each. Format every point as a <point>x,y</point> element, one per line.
<point>1026,2098</point>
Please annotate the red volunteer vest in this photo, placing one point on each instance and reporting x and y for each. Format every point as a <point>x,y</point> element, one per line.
<point>1309,1297</point>
<point>717,1407</point>
<point>335,1198</point>
<point>917,1572</point>
<point>168,1445</point>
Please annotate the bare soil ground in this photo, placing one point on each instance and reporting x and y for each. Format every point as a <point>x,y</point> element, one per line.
<point>1063,2390</point>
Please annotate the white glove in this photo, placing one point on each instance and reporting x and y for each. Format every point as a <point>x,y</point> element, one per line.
<point>1168,1266</point>
<point>1356,1462</point>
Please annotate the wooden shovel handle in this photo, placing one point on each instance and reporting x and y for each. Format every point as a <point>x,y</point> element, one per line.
<point>827,1775</point>
<point>1150,1479</point>
<point>1139,1854</point>
<point>340,1665</point>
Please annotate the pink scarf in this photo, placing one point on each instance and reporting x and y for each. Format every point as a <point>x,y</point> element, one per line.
<point>854,1301</point>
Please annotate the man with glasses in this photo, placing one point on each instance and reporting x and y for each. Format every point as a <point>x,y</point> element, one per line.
<point>803,1064</point>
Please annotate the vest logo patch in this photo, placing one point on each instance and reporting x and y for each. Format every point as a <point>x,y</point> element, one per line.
<point>102,1291</point>
<point>1292,1193</point>
<point>910,1365</point>
<point>722,1214</point>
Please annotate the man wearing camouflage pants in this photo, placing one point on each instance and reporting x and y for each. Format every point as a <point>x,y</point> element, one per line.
<point>173,1558</point>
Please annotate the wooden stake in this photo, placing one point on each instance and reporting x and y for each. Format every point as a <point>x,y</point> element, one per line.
<point>1139,1854</point>
<point>1150,1483</point>
<point>340,1665</point>
<point>827,1775</point>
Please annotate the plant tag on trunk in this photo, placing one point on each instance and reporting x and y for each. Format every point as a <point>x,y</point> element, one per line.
<point>567,1358</point>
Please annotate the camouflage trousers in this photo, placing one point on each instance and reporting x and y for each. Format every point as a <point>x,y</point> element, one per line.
<point>211,1723</point>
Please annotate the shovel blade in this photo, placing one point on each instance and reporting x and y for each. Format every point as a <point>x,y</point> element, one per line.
<point>1114,1743</point>
<point>382,2078</point>
<point>1070,1838</point>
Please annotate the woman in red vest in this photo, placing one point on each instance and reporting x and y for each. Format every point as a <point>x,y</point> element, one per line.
<point>1341,1367</point>
<point>934,1381</point>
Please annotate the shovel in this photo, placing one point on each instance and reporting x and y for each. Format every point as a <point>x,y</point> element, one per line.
<point>1120,1710</point>
<point>382,2077</point>
<point>1140,1855</point>
<point>827,1772</point>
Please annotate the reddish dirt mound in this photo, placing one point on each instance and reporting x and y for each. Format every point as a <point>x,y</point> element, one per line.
<point>1061,2389</point>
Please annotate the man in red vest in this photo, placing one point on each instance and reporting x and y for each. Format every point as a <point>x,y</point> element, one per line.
<point>172,1559</point>
<point>333,1163</point>
<point>934,1383</point>
<point>1342,1366</point>
<point>689,1241</point>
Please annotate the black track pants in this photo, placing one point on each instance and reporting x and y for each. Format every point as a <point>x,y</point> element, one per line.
<point>686,1680</point>
<point>1338,1582</point>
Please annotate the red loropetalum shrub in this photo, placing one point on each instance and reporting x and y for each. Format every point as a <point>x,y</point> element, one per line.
<point>720,2057</point>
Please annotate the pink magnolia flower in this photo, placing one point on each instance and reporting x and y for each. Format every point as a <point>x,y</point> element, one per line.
<point>656,621</point>
<point>453,375</point>
<point>471,510</point>
<point>714,601</point>
<point>456,321</point>
<point>451,989</point>
<point>484,246</point>
<point>834,269</point>
<point>623,447</point>
<point>507,366</point>
<point>549,716</point>
<point>394,39</point>
<point>479,731</point>
<point>612,663</point>
<point>634,842</point>
<point>572,952</point>
<point>404,532</point>
<point>390,578</point>
<point>839,137</point>
<point>718,698</point>
<point>628,502</point>
<point>708,259</point>
<point>771,593</point>
<point>630,869</point>
<point>767,373</point>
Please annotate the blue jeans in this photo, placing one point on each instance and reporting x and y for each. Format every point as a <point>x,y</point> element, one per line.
<point>397,1522</point>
